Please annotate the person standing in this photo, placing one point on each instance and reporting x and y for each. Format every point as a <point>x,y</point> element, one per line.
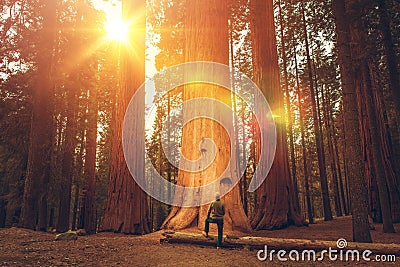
<point>217,212</point>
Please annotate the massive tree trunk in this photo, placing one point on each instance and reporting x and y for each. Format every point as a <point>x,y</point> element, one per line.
<point>351,81</point>
<point>276,204</point>
<point>127,209</point>
<point>206,40</point>
<point>377,158</point>
<point>38,170</point>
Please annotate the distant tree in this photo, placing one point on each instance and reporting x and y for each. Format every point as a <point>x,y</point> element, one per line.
<point>317,129</point>
<point>34,203</point>
<point>276,201</point>
<point>310,212</point>
<point>15,110</point>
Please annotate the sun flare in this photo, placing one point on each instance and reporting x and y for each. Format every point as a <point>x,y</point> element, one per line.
<point>117,30</point>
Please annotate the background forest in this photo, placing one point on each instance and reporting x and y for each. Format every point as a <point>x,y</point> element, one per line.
<point>62,85</point>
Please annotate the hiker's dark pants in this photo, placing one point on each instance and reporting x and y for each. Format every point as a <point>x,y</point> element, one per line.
<point>220,224</point>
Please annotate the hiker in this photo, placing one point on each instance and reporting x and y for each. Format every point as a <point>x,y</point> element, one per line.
<point>217,211</point>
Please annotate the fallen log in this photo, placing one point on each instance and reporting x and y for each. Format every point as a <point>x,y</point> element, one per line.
<point>254,242</point>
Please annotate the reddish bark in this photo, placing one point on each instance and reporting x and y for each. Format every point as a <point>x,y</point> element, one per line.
<point>38,169</point>
<point>127,209</point>
<point>276,203</point>
<point>207,40</point>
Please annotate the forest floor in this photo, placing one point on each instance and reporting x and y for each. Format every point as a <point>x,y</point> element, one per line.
<point>21,247</point>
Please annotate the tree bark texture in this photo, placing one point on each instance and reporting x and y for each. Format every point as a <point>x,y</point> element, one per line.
<point>38,169</point>
<point>276,200</point>
<point>317,131</point>
<point>206,39</point>
<point>127,209</point>
<point>350,82</point>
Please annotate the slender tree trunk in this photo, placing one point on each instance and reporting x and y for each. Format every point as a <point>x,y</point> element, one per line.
<point>318,134</point>
<point>39,157</point>
<point>356,181</point>
<point>276,206</point>
<point>342,186</point>
<point>63,218</point>
<point>90,164</point>
<point>310,212</point>
<point>127,209</point>
<point>391,57</point>
<point>75,215</point>
<point>329,130</point>
<point>289,110</point>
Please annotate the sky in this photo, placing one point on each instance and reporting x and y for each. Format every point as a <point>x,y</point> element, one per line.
<point>113,10</point>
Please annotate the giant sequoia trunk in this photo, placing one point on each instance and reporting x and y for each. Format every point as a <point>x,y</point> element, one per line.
<point>206,40</point>
<point>38,169</point>
<point>127,209</point>
<point>276,203</point>
<point>351,81</point>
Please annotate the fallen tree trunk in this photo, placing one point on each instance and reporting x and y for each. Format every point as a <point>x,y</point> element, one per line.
<point>254,242</point>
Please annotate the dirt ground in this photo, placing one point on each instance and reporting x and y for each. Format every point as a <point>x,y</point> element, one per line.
<point>20,247</point>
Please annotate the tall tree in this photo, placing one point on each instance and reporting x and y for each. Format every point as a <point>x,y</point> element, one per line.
<point>329,129</point>
<point>90,164</point>
<point>127,209</point>
<point>377,158</point>
<point>350,83</point>
<point>68,157</point>
<point>38,170</point>
<point>310,212</point>
<point>206,39</point>
<point>317,129</point>
<point>288,107</point>
<point>390,53</point>
<point>276,204</point>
